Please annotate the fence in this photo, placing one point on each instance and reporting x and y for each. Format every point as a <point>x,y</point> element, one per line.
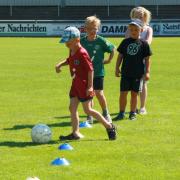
<point>86,2</point>
<point>79,9</point>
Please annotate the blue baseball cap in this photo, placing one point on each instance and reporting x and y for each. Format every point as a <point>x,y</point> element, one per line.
<point>70,33</point>
<point>137,22</point>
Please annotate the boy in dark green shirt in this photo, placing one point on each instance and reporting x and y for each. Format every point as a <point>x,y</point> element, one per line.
<point>96,47</point>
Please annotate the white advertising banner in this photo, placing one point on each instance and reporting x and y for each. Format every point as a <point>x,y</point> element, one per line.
<point>55,28</point>
<point>166,28</point>
<point>23,29</point>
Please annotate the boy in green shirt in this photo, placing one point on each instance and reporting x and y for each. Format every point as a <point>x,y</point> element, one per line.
<point>96,47</point>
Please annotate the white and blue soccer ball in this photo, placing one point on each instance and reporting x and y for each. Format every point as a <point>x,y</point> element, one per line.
<point>41,133</point>
<point>32,178</point>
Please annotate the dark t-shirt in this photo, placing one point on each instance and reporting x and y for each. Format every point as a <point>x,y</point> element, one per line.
<point>134,51</point>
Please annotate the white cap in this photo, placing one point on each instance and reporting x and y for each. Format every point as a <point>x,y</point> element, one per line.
<point>137,22</point>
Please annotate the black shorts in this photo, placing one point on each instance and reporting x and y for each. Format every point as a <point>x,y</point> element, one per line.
<point>131,84</point>
<point>98,83</point>
<point>82,99</point>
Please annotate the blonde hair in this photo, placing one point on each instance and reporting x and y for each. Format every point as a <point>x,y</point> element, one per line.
<point>141,13</point>
<point>92,20</point>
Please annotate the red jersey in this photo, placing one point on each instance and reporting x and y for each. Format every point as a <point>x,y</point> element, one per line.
<point>80,64</point>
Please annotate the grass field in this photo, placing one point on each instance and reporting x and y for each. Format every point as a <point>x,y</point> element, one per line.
<point>31,92</point>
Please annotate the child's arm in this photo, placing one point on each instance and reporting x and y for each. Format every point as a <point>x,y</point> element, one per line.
<point>118,64</point>
<point>90,83</point>
<point>147,65</point>
<point>59,65</point>
<point>149,35</point>
<point>111,55</point>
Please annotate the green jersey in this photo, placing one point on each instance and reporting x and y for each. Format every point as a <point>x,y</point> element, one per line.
<point>96,50</point>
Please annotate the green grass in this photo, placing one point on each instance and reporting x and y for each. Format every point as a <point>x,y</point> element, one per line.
<point>31,92</point>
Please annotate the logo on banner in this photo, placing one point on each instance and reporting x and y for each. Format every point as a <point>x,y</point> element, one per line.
<point>114,29</point>
<point>171,28</point>
<point>156,28</point>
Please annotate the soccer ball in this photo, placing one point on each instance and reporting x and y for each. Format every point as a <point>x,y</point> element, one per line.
<point>41,133</point>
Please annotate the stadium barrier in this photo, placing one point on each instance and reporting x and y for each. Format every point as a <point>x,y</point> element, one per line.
<point>32,28</point>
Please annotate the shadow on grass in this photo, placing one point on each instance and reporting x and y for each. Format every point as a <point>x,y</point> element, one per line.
<point>65,117</point>
<point>30,126</point>
<point>15,144</point>
<point>84,140</point>
<point>24,144</point>
<point>81,116</point>
<point>59,124</point>
<point>62,117</point>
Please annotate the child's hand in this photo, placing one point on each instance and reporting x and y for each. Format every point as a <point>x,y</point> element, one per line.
<point>58,69</point>
<point>90,92</point>
<point>117,73</point>
<point>147,76</point>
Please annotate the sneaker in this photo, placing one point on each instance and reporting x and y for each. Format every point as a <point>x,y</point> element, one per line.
<point>69,137</point>
<point>143,111</point>
<point>90,119</point>
<point>108,118</point>
<point>120,116</point>
<point>132,116</point>
<point>112,132</point>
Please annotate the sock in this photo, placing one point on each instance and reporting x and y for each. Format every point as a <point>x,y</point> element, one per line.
<point>121,112</point>
<point>105,112</point>
<point>132,112</point>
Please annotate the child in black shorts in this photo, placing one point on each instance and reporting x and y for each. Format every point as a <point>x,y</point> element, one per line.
<point>132,52</point>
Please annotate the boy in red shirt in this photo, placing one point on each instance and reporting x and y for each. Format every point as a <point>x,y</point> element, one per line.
<point>81,70</point>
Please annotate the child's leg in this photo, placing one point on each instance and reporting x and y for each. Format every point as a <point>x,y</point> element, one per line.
<point>133,101</point>
<point>110,128</point>
<point>122,105</point>
<point>103,103</point>
<point>90,118</point>
<point>98,85</point>
<point>101,99</point>
<point>123,101</point>
<point>133,106</point>
<point>74,102</point>
<point>143,96</point>
<point>88,110</point>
